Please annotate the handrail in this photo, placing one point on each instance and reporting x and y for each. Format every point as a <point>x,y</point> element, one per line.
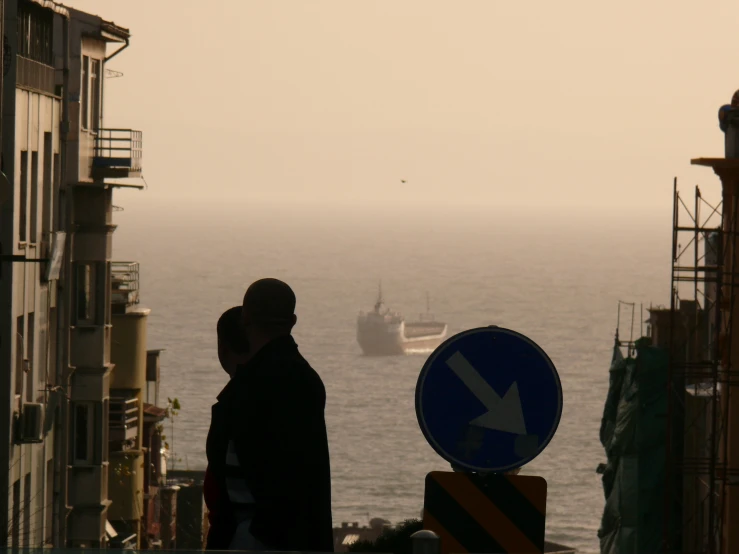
<point>124,283</point>
<point>118,148</point>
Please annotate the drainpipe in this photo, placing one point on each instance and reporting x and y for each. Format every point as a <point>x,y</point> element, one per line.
<point>102,79</point>
<point>61,434</point>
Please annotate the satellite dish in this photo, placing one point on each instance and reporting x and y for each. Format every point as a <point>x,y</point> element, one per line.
<point>6,190</point>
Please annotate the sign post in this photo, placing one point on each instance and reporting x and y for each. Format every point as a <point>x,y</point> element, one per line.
<point>488,400</point>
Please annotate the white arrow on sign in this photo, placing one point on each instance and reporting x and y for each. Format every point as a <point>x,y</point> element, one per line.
<point>504,414</point>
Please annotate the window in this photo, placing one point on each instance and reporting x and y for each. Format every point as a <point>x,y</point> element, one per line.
<point>34,197</point>
<point>101,431</point>
<point>95,91</point>
<point>85,101</point>
<point>35,31</point>
<point>103,283</point>
<point>49,506</point>
<point>51,370</point>
<point>30,382</point>
<point>16,523</point>
<point>57,177</point>
<point>82,446</point>
<point>41,366</point>
<point>57,183</point>
<point>108,287</point>
<point>23,211</point>
<point>48,198</point>
<point>27,510</point>
<point>84,292</point>
<point>106,430</point>
<point>19,354</point>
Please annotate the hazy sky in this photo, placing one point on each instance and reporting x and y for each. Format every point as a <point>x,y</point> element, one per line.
<point>476,102</point>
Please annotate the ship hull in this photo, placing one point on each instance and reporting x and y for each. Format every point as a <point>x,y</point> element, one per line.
<point>393,340</point>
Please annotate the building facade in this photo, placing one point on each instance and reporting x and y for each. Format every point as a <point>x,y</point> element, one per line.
<point>29,230</point>
<point>56,275</point>
<point>90,163</point>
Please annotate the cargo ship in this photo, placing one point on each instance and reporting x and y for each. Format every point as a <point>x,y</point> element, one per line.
<point>383,332</point>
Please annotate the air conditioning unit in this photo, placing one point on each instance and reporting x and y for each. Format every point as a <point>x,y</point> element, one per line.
<point>31,424</point>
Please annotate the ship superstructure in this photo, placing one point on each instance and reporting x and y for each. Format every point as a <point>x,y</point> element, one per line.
<point>383,332</point>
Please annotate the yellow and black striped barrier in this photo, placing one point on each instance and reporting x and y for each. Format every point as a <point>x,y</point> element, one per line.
<point>496,514</point>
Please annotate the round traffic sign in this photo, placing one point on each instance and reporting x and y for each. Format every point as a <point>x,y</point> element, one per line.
<point>489,400</point>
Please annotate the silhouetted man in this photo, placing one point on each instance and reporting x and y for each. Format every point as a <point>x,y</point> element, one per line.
<point>275,405</point>
<point>233,350</point>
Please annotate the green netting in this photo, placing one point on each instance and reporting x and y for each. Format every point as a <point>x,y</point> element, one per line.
<point>633,434</point>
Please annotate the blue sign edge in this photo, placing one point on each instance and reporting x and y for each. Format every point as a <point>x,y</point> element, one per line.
<point>419,387</point>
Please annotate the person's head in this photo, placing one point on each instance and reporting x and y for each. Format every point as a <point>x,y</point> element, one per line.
<point>269,310</point>
<point>233,345</point>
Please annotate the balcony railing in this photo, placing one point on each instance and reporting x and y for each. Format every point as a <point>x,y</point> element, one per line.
<point>124,422</point>
<point>124,285</point>
<point>117,154</point>
<point>35,75</point>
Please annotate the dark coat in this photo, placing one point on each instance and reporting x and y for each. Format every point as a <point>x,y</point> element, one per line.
<point>222,524</point>
<point>274,408</point>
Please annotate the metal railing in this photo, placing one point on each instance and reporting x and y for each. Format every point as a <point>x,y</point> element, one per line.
<point>424,542</point>
<point>35,75</point>
<point>118,149</point>
<point>124,284</point>
<point>123,423</point>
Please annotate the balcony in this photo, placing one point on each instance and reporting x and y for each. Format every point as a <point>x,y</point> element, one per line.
<point>35,75</point>
<point>117,154</point>
<point>124,285</point>
<point>123,422</point>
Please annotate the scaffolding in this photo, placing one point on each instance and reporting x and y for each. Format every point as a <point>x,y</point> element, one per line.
<point>628,345</point>
<point>697,426</point>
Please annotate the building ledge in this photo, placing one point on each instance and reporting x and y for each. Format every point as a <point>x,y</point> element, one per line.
<point>721,163</point>
<point>727,169</point>
<point>56,7</point>
<point>101,507</point>
<point>154,411</point>
<point>101,183</point>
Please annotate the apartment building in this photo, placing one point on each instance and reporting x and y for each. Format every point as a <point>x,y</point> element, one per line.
<point>56,231</point>
<point>96,159</point>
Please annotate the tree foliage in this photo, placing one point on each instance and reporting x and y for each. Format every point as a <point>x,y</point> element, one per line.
<point>396,540</point>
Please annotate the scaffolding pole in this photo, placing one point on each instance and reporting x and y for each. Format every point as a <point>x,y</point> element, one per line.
<point>696,474</point>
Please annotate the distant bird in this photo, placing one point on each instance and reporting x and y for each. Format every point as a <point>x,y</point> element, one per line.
<point>402,180</point>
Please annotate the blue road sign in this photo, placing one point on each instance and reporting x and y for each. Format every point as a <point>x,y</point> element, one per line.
<point>488,400</point>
